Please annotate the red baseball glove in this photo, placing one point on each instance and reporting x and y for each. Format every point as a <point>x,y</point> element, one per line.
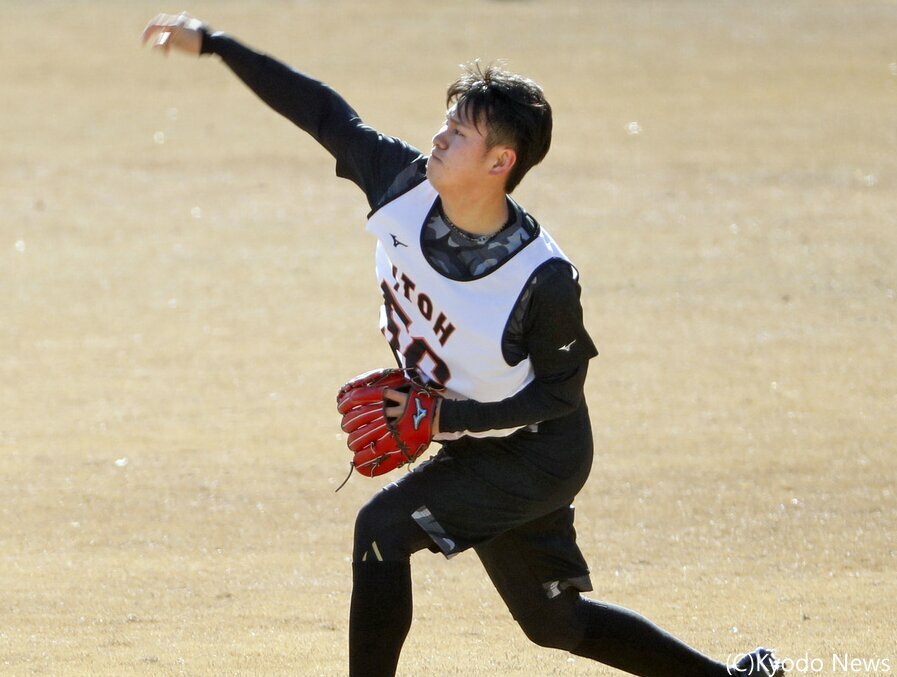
<point>381,444</point>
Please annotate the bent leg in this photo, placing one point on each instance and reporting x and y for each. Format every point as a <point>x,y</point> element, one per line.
<point>381,610</point>
<point>628,641</point>
<point>535,569</point>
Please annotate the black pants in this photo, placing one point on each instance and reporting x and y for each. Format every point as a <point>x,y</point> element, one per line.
<point>534,564</point>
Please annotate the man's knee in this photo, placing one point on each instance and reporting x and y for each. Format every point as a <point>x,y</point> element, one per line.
<point>556,624</point>
<point>385,530</point>
<point>368,518</point>
<point>369,525</point>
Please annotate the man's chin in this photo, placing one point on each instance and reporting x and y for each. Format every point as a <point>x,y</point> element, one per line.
<point>432,170</point>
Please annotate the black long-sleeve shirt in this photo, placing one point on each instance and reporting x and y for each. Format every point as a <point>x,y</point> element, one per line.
<point>545,326</point>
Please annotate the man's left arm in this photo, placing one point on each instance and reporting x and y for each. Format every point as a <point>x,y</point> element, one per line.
<point>559,348</point>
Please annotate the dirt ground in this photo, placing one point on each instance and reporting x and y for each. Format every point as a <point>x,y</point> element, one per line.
<point>184,285</point>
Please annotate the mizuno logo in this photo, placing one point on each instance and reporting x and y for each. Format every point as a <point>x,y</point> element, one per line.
<point>566,348</point>
<point>419,414</point>
<point>396,242</point>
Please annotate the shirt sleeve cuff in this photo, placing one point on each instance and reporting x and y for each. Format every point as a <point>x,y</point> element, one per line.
<point>209,40</point>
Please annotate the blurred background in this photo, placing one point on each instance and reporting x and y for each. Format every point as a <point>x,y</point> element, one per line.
<point>184,285</point>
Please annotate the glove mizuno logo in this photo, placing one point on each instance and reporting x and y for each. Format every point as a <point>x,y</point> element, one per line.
<point>566,348</point>
<point>396,242</point>
<point>419,414</point>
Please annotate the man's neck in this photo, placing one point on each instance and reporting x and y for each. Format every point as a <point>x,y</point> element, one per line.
<point>484,216</point>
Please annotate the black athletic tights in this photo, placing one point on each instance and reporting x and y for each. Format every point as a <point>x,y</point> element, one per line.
<point>381,611</point>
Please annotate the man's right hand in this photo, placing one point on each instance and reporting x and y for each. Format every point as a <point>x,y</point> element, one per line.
<point>179,31</point>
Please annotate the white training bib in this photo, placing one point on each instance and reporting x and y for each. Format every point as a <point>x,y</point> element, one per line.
<point>450,330</point>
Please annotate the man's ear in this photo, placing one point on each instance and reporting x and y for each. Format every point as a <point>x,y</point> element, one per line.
<point>503,161</point>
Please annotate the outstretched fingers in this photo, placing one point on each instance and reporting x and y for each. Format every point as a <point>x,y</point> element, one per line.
<point>159,25</point>
<point>178,30</point>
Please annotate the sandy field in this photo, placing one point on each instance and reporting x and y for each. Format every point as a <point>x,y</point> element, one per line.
<point>184,285</point>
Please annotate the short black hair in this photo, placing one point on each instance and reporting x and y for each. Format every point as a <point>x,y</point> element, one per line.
<point>512,107</point>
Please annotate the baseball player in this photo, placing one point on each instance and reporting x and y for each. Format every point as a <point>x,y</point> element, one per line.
<point>481,309</point>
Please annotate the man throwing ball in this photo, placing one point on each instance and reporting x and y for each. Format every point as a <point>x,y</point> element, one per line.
<point>481,309</point>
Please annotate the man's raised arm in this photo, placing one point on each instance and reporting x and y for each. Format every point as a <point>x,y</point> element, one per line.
<point>364,156</point>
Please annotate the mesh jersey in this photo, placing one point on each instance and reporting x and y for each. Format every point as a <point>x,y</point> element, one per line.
<point>449,329</point>
<point>460,258</point>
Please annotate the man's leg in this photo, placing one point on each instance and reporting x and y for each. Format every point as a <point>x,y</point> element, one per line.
<point>630,642</point>
<point>530,567</point>
<point>380,615</point>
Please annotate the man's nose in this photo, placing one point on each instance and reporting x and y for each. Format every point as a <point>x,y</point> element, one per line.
<point>439,138</point>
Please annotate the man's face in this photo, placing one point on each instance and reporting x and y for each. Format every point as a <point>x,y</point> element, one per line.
<point>459,156</point>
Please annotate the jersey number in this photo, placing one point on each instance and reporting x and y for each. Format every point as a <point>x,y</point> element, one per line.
<point>418,349</point>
